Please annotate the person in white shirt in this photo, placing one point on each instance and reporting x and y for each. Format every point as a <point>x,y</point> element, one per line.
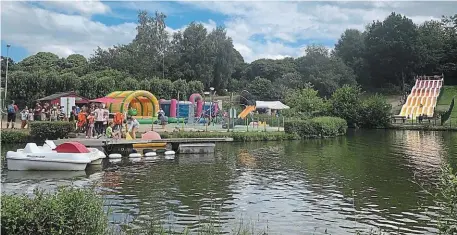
<point>132,126</point>
<point>99,119</point>
<point>105,118</point>
<point>24,116</point>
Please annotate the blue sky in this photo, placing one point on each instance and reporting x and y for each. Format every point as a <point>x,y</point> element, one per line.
<point>273,29</point>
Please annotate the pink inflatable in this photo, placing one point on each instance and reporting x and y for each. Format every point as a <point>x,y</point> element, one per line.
<point>199,99</point>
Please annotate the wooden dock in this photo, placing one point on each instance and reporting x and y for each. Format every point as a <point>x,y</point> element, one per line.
<point>105,142</point>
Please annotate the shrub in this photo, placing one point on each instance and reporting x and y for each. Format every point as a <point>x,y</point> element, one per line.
<point>375,112</point>
<point>51,130</point>
<point>15,136</point>
<point>237,136</point>
<point>305,103</point>
<point>346,103</point>
<point>316,127</point>
<point>69,211</point>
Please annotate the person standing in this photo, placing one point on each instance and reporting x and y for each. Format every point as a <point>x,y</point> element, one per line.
<point>132,126</point>
<point>30,117</point>
<point>24,117</point>
<point>37,112</point>
<point>118,120</point>
<point>99,119</point>
<point>11,118</point>
<point>105,118</point>
<point>90,125</point>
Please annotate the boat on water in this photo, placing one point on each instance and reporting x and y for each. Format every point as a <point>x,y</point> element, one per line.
<point>70,156</point>
<point>96,156</point>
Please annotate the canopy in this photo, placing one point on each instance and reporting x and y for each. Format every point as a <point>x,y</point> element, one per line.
<point>277,105</point>
<point>104,100</point>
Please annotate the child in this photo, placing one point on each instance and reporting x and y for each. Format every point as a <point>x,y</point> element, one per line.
<point>110,133</point>
<point>109,130</point>
<point>118,120</point>
<point>90,125</point>
<point>30,117</point>
<point>24,116</point>
<point>82,120</point>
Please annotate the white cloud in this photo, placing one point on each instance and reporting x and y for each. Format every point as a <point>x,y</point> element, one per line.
<point>258,29</point>
<point>287,23</point>
<point>86,7</point>
<point>38,29</point>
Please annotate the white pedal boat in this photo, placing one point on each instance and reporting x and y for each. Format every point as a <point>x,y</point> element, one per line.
<point>71,156</point>
<point>96,156</point>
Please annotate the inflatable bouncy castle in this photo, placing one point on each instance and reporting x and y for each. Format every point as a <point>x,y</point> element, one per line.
<point>144,103</point>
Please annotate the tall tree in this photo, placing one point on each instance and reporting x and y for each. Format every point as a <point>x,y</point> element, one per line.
<point>351,48</point>
<point>222,58</point>
<point>391,50</point>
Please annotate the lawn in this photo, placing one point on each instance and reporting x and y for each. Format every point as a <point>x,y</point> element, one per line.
<point>444,101</point>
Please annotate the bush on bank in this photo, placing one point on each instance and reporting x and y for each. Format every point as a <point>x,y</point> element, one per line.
<point>237,136</point>
<point>69,211</point>
<point>51,130</point>
<point>13,136</point>
<point>317,127</point>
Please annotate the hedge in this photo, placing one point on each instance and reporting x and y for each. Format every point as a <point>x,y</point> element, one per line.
<point>237,136</point>
<point>317,127</point>
<point>13,136</point>
<point>69,211</point>
<point>51,130</point>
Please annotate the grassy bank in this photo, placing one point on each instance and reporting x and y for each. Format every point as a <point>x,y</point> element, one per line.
<point>237,136</point>
<point>445,99</point>
<point>423,127</point>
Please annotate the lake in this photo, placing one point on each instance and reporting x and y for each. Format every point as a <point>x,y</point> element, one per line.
<point>367,179</point>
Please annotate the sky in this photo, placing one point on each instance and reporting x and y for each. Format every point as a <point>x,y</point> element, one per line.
<point>259,29</point>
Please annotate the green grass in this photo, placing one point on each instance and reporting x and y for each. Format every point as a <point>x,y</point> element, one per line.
<point>445,100</point>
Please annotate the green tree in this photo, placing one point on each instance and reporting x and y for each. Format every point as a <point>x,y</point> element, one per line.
<point>375,112</point>
<point>180,87</point>
<point>346,103</point>
<point>195,87</point>
<point>325,72</point>
<point>46,61</point>
<point>391,50</point>
<point>262,89</point>
<point>223,58</point>
<point>305,102</point>
<point>351,49</point>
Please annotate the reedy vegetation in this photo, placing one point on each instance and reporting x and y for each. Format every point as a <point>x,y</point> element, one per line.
<point>382,57</point>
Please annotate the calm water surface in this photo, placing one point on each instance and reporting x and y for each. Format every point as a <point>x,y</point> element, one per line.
<point>362,181</point>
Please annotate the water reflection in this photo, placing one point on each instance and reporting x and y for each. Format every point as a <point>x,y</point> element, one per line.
<point>336,185</point>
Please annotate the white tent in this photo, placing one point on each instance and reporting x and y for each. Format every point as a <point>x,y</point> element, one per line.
<point>276,105</point>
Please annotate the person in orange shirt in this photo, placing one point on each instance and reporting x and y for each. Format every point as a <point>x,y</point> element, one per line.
<point>118,120</point>
<point>90,125</point>
<point>82,120</point>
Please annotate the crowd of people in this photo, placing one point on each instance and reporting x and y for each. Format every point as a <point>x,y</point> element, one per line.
<point>45,112</point>
<point>93,120</point>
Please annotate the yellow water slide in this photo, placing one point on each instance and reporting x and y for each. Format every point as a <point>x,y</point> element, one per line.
<point>422,99</point>
<point>246,111</point>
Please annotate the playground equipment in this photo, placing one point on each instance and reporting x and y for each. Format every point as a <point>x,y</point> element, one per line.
<point>197,98</point>
<point>423,97</point>
<point>246,111</point>
<point>170,107</point>
<point>144,102</point>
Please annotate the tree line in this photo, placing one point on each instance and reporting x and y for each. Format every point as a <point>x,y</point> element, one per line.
<point>385,56</point>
